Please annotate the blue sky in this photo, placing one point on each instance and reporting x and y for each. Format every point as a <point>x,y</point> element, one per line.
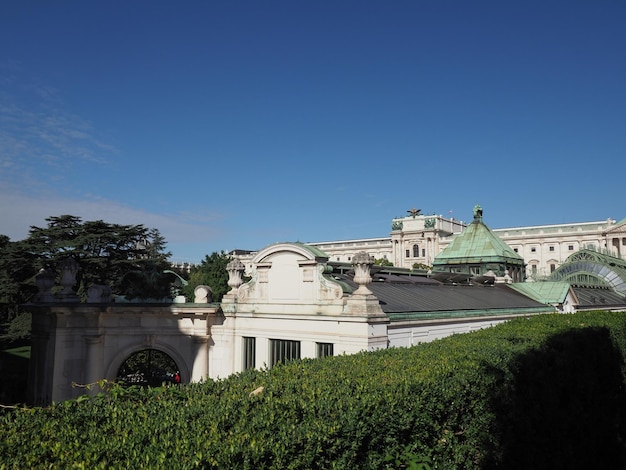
<point>240,124</point>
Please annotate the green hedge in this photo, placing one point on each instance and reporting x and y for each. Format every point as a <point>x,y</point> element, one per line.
<point>544,392</point>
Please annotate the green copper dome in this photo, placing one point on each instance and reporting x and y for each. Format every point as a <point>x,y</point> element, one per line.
<point>478,250</point>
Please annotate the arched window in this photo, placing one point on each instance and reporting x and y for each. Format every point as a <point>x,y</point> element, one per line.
<point>416,251</point>
<point>148,368</point>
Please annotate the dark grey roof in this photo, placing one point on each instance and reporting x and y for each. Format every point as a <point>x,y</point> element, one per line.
<point>404,298</point>
<point>419,294</point>
<point>599,298</point>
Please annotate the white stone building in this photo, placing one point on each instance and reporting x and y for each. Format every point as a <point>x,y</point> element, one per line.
<point>320,299</point>
<point>418,238</point>
<point>297,305</point>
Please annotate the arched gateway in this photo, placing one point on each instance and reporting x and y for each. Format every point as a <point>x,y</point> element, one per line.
<point>78,344</point>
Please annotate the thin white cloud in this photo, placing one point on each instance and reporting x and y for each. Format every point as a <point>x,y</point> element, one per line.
<point>19,211</point>
<point>40,141</point>
<point>39,135</point>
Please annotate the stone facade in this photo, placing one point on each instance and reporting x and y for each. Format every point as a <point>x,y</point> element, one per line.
<point>77,344</point>
<point>546,247</point>
<point>290,301</point>
<point>418,238</point>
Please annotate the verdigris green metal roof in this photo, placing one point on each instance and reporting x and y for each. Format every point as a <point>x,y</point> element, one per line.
<point>477,244</point>
<point>313,250</point>
<point>590,268</point>
<point>545,292</point>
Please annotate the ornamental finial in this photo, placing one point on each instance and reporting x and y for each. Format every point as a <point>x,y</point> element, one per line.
<point>478,213</point>
<point>362,263</point>
<point>415,212</point>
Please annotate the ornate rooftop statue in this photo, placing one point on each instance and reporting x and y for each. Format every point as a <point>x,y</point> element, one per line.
<point>415,212</point>
<point>478,212</point>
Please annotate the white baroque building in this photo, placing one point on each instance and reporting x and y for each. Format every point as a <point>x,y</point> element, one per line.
<point>418,238</point>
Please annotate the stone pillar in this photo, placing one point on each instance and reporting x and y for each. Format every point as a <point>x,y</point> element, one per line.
<point>93,370</point>
<point>200,368</point>
<point>40,370</point>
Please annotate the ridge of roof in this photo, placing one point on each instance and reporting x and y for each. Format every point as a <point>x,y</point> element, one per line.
<point>476,242</point>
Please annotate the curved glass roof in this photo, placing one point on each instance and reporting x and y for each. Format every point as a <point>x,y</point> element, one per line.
<point>589,268</point>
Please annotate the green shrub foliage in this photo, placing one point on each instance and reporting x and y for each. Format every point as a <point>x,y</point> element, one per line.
<point>543,392</point>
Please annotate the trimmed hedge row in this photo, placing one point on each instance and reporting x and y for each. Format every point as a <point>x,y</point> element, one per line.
<point>543,392</point>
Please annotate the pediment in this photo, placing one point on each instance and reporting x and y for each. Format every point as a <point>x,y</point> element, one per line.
<point>289,273</point>
<point>618,229</point>
<point>295,250</point>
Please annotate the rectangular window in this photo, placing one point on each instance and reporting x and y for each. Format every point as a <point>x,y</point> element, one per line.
<point>533,249</point>
<point>324,349</point>
<point>552,268</point>
<point>534,268</point>
<point>551,248</point>
<point>282,350</point>
<point>570,248</point>
<point>408,253</point>
<point>423,252</point>
<point>249,353</point>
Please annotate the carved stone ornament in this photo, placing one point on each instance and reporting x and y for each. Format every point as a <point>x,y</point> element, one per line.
<point>69,269</point>
<point>99,294</point>
<point>362,263</point>
<point>203,294</point>
<point>415,212</point>
<point>478,212</point>
<point>235,272</point>
<point>45,282</point>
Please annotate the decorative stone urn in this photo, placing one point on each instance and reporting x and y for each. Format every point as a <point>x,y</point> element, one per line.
<point>99,293</point>
<point>45,282</point>
<point>235,273</point>
<point>362,263</point>
<point>69,269</point>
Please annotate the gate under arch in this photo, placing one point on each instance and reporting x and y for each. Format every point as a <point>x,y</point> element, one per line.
<point>78,344</point>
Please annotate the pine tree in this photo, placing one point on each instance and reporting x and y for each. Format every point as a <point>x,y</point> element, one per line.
<point>105,252</point>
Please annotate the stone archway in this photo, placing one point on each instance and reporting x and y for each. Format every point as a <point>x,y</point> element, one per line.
<point>116,362</point>
<point>149,368</point>
<point>82,344</point>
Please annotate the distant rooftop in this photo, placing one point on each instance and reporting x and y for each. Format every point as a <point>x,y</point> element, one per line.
<point>407,295</point>
<point>477,244</point>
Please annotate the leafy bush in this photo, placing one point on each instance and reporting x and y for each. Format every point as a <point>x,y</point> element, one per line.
<point>544,392</point>
<point>18,328</point>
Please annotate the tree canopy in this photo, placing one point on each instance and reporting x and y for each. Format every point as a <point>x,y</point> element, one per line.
<point>105,253</point>
<point>210,272</point>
